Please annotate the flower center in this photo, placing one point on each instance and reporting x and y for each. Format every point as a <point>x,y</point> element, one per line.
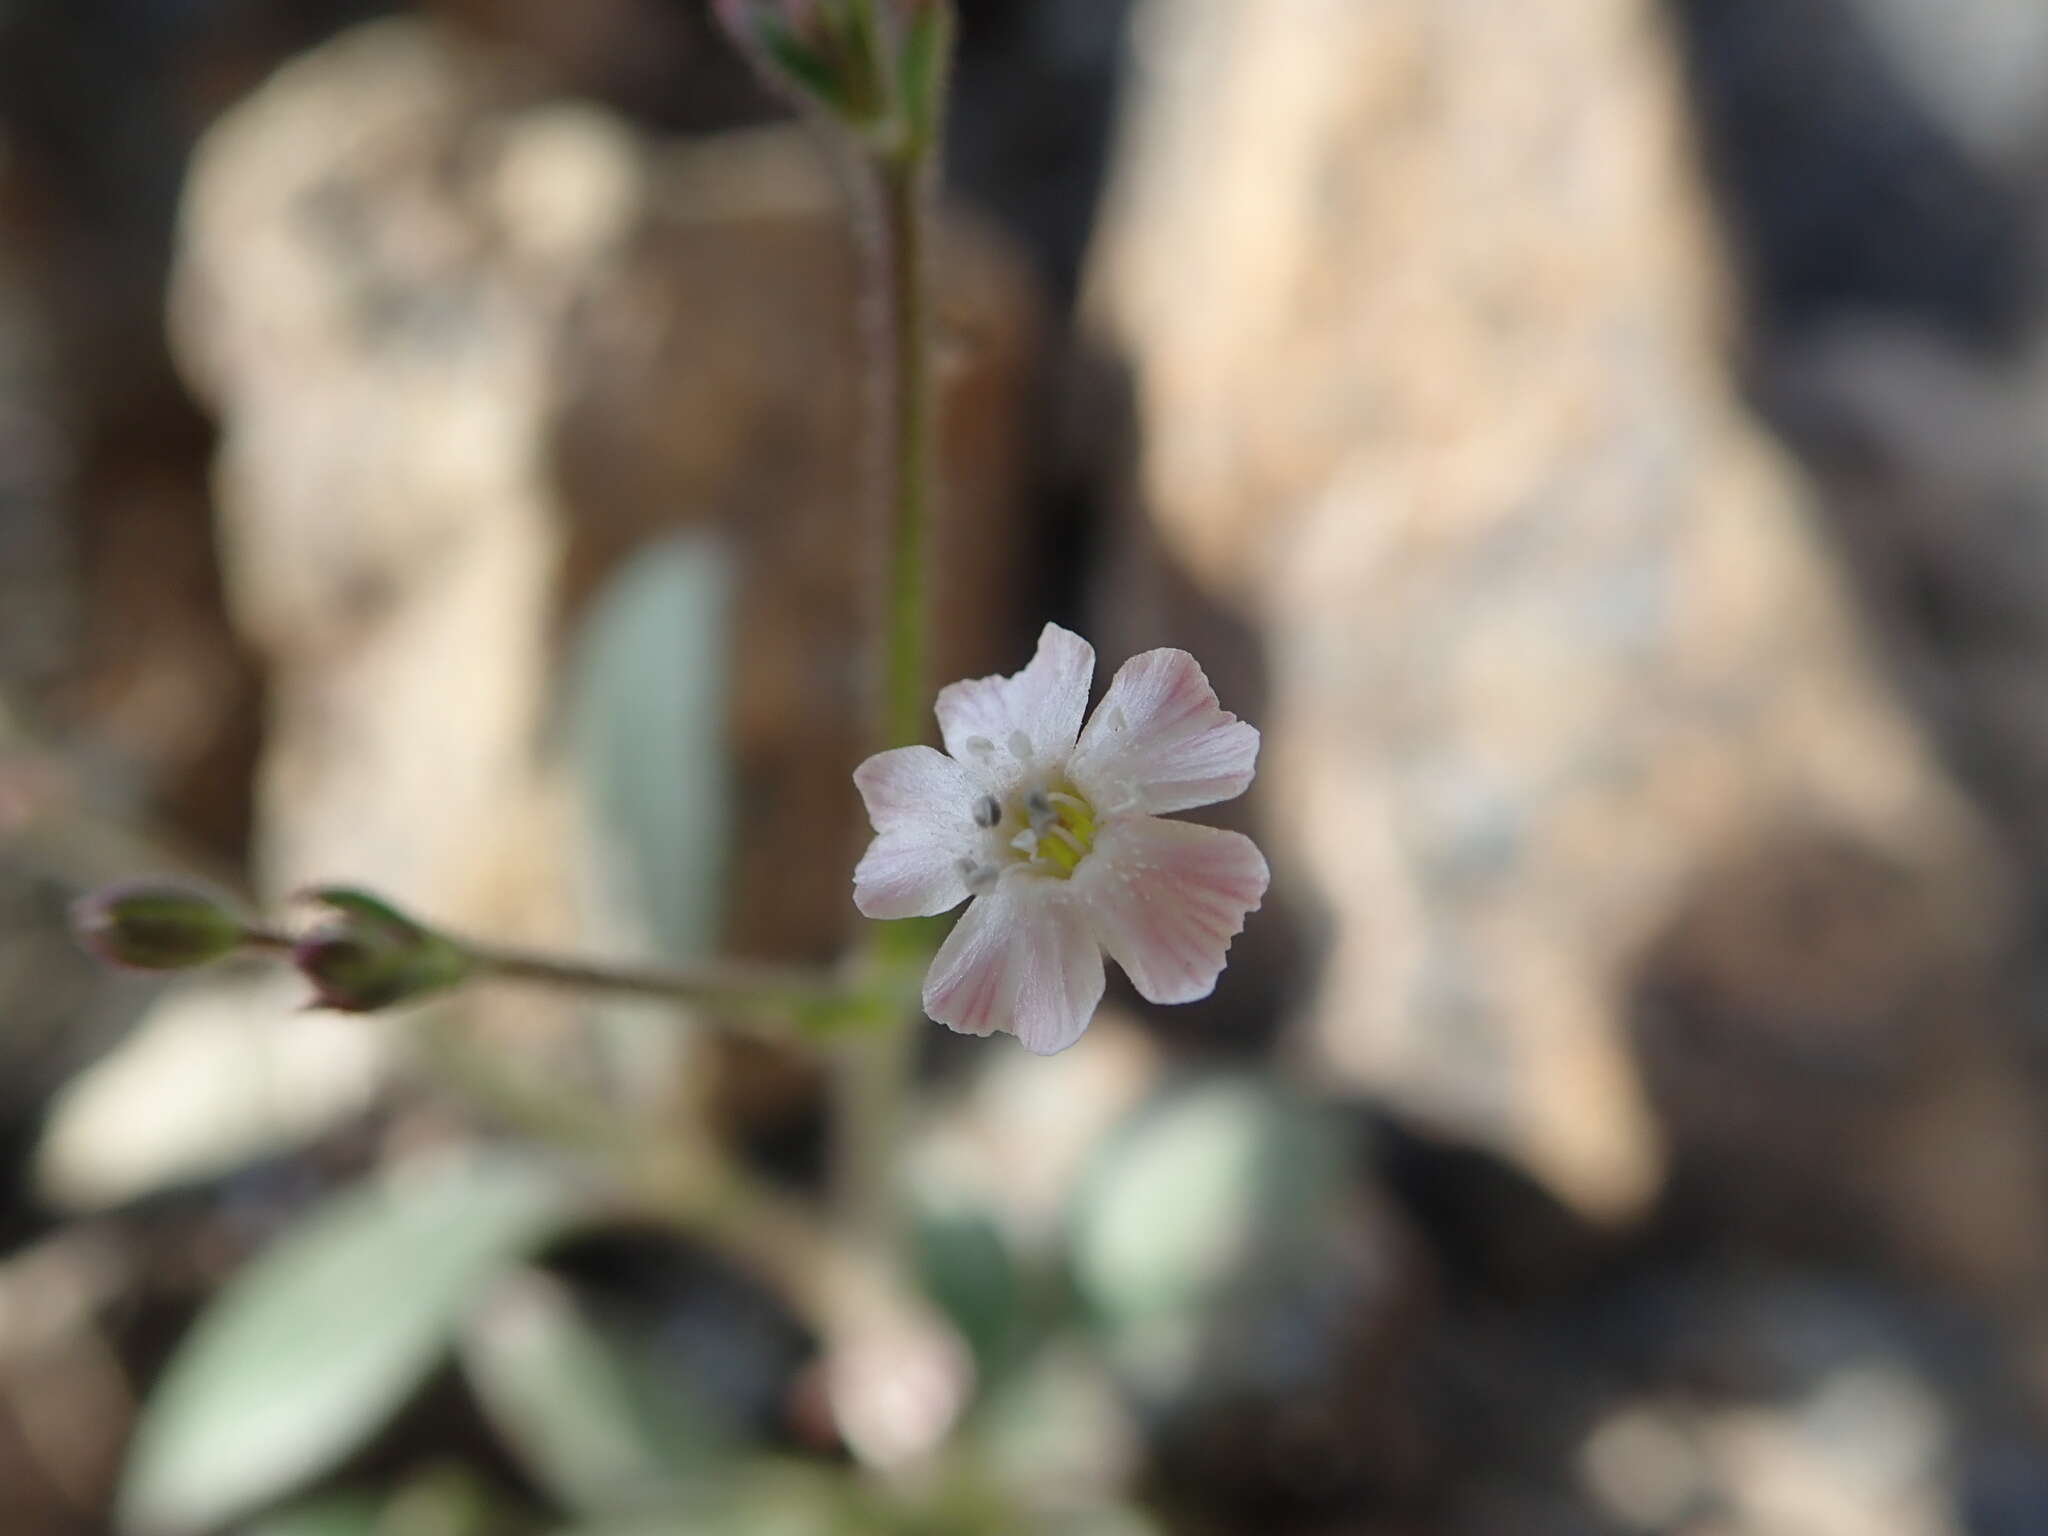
<point>1060,831</point>
<point>1046,830</point>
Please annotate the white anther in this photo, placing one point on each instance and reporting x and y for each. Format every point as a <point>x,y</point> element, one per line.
<point>1020,746</point>
<point>1026,843</point>
<point>980,746</point>
<point>987,811</point>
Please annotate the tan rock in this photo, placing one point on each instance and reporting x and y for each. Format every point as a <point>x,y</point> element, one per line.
<point>1425,326</point>
<point>471,352</point>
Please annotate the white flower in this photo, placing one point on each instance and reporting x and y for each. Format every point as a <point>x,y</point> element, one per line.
<point>1055,832</point>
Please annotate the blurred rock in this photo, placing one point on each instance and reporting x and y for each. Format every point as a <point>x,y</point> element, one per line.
<point>470,352</point>
<point>1827,1035</point>
<point>1425,326</point>
<point>36,452</point>
<point>1739,1399</point>
<point>1256,1297</point>
<point>1932,457</point>
<point>713,379</point>
<point>1980,66</point>
<point>1846,192</point>
<point>370,314</point>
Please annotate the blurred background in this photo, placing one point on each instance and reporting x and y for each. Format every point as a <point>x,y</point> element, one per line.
<point>1598,441</point>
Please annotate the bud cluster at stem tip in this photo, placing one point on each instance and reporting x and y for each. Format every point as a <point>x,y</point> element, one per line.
<point>877,67</point>
<point>364,954</point>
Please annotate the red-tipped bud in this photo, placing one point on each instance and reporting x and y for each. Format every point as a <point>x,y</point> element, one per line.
<point>156,926</point>
<point>367,955</point>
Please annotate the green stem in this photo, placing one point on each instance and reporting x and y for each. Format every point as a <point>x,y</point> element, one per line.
<point>877,1064</point>
<point>767,999</point>
<point>901,191</point>
<point>760,994</point>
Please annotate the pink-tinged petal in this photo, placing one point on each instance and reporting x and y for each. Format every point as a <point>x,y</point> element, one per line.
<point>1166,898</point>
<point>1159,742</point>
<point>981,717</point>
<point>921,803</point>
<point>1021,958</point>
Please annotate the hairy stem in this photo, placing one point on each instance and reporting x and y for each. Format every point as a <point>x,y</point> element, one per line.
<point>876,1065</point>
<point>898,250</point>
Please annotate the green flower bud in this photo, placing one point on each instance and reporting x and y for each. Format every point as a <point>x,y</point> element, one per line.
<point>156,926</point>
<point>367,955</point>
<point>828,53</point>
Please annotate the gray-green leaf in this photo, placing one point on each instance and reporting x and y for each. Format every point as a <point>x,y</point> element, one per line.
<point>568,1401</point>
<point>313,1346</point>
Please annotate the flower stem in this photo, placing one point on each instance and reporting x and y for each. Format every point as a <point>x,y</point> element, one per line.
<point>899,250</point>
<point>759,994</point>
<point>766,999</point>
<point>877,1064</point>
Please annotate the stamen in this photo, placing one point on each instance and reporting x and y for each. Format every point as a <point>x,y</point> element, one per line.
<point>1077,816</point>
<point>1066,836</point>
<point>1026,843</point>
<point>1020,746</point>
<point>1062,853</point>
<point>987,811</point>
<point>1040,811</point>
<point>979,877</point>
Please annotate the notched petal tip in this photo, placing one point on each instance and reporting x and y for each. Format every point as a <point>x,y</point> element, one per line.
<point>1021,959</point>
<point>1166,898</point>
<point>1043,703</point>
<point>921,804</point>
<point>1160,741</point>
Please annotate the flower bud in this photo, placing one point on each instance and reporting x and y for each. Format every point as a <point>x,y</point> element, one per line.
<point>367,955</point>
<point>151,926</point>
<point>823,52</point>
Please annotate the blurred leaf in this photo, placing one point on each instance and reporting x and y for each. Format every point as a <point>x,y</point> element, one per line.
<point>969,1271</point>
<point>646,723</point>
<point>208,1081</point>
<point>1210,1192</point>
<point>448,1499</point>
<point>771,1499</point>
<point>333,1515</point>
<point>572,1407</point>
<point>1110,1520</point>
<point>1058,1434</point>
<point>310,1348</point>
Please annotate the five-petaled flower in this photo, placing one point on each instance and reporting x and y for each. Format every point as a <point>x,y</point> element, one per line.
<point>1055,831</point>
